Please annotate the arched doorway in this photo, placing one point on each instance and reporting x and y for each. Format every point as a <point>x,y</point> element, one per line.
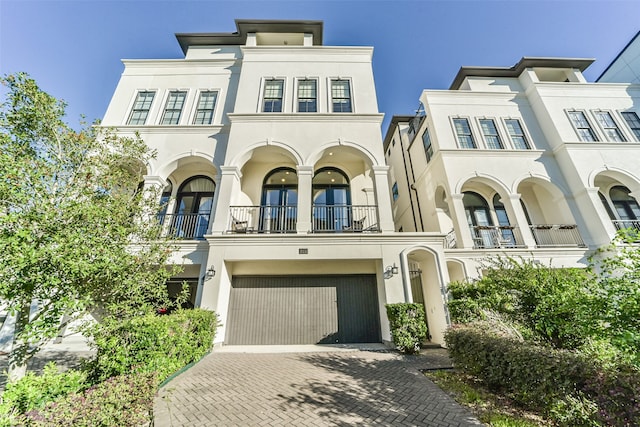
<point>278,207</point>
<point>193,207</point>
<point>625,207</point>
<point>331,201</point>
<point>479,219</point>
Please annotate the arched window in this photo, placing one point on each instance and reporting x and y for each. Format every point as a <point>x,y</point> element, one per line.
<point>479,219</point>
<point>331,200</point>
<point>193,207</point>
<point>607,207</point>
<point>278,210</point>
<point>626,207</point>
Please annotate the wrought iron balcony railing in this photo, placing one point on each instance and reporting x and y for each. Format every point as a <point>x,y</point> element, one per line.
<point>557,235</point>
<point>263,219</point>
<point>190,226</point>
<point>627,223</point>
<point>345,218</point>
<point>490,236</point>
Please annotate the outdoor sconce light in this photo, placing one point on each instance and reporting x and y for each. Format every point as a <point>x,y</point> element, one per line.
<point>210,273</point>
<point>390,271</point>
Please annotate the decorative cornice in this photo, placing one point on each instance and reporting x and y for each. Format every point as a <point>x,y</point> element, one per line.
<point>305,117</point>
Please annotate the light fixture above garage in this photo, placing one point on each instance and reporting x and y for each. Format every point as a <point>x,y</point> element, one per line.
<point>390,271</point>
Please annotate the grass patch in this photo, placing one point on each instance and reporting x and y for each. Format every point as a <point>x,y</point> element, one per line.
<point>489,408</point>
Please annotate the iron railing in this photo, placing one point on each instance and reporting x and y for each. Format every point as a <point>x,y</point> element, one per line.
<point>490,236</point>
<point>192,226</point>
<point>557,235</point>
<point>263,219</point>
<point>627,223</point>
<point>345,218</point>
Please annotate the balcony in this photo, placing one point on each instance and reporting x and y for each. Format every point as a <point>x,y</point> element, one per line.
<point>262,219</point>
<point>491,237</point>
<point>557,235</point>
<point>345,218</point>
<point>191,226</point>
<point>627,223</point>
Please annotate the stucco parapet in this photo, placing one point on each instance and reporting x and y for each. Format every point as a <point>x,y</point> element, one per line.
<point>574,146</point>
<point>478,153</point>
<point>587,90</point>
<point>580,254</point>
<point>436,96</point>
<point>170,130</point>
<point>305,117</point>
<point>186,64</point>
<point>352,239</point>
<point>320,51</point>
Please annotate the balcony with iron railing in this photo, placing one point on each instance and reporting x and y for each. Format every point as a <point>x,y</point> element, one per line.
<point>192,226</point>
<point>556,235</point>
<point>345,218</point>
<point>490,237</point>
<point>623,224</point>
<point>270,219</point>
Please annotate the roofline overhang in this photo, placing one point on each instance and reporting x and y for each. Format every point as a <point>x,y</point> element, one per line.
<point>515,71</point>
<point>392,126</point>
<point>246,26</point>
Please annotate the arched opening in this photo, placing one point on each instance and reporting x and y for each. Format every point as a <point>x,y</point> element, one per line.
<point>278,207</point>
<point>506,235</point>
<point>193,207</point>
<point>332,201</point>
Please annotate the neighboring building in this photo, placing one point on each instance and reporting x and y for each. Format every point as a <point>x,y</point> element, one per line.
<point>530,161</point>
<point>625,68</point>
<point>271,160</point>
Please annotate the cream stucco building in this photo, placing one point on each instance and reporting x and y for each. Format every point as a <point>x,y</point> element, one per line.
<point>530,160</point>
<point>271,159</point>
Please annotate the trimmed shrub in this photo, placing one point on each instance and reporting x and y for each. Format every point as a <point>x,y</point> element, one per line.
<point>564,385</point>
<point>408,326</point>
<point>152,343</point>
<point>33,391</point>
<point>126,400</point>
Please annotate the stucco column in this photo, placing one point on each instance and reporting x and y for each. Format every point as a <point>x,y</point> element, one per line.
<point>229,184</point>
<point>594,218</point>
<point>383,198</point>
<point>305,180</point>
<point>460,224</point>
<point>516,214</point>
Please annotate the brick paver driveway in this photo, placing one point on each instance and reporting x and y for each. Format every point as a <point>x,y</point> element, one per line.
<point>309,389</point>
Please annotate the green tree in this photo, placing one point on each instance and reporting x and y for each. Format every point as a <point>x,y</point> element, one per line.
<point>76,228</point>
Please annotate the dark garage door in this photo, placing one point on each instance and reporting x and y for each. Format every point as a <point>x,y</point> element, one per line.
<point>303,310</point>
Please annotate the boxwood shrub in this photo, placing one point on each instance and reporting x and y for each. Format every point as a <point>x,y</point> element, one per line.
<point>408,326</point>
<point>152,343</point>
<point>566,386</point>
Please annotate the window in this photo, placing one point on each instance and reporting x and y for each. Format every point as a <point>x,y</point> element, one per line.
<point>516,133</point>
<point>341,96</point>
<point>633,122</point>
<point>205,107</point>
<point>272,102</point>
<point>582,126</point>
<point>173,109</point>
<point>394,191</point>
<point>490,133</point>
<point>307,96</point>
<point>426,142</point>
<point>141,108</point>
<point>463,131</point>
<point>609,126</point>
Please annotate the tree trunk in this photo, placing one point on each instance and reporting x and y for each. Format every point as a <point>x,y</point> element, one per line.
<point>19,351</point>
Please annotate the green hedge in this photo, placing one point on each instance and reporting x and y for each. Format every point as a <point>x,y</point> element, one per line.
<point>564,385</point>
<point>152,343</point>
<point>408,326</point>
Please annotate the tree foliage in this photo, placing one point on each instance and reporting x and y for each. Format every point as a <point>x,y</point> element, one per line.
<point>71,206</point>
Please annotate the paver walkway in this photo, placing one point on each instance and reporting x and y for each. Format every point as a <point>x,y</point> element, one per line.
<point>376,388</point>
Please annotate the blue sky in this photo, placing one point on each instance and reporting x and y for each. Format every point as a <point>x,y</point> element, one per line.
<point>73,48</point>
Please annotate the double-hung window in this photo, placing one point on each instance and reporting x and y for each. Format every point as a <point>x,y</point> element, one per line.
<point>633,122</point>
<point>463,132</point>
<point>609,126</point>
<point>341,96</point>
<point>173,109</point>
<point>426,142</point>
<point>307,96</point>
<point>272,100</point>
<point>516,133</point>
<point>141,108</point>
<point>490,133</point>
<point>582,126</point>
<point>205,107</point>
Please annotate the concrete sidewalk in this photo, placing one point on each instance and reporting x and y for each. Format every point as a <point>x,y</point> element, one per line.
<point>342,386</point>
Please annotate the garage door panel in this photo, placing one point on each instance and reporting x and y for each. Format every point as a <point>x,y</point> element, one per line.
<point>302,310</point>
